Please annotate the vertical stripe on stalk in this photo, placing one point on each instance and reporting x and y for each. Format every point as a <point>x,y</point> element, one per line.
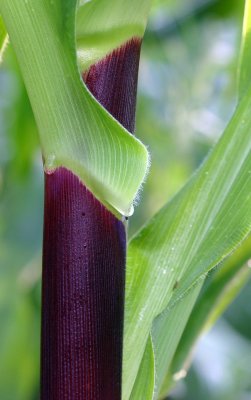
<point>83,291</point>
<point>113,81</point>
<point>84,262</point>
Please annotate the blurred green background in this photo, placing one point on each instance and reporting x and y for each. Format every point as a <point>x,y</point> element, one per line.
<point>187,93</point>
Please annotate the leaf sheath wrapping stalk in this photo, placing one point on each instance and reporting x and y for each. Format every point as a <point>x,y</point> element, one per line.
<point>75,131</point>
<point>84,263</point>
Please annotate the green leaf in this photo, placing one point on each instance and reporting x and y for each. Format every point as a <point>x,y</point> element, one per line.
<point>203,224</point>
<point>103,25</point>
<point>245,56</point>
<point>3,38</point>
<point>144,385</point>
<point>220,288</point>
<point>168,326</point>
<point>75,130</point>
<point>167,331</point>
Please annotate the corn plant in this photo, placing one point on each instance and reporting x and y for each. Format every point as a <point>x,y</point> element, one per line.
<point>119,320</point>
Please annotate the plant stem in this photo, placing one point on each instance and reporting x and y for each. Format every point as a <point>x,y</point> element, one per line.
<point>113,81</point>
<point>84,262</point>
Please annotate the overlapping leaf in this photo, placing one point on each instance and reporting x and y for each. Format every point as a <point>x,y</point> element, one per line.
<point>144,385</point>
<point>166,334</point>
<point>203,224</point>
<point>75,131</point>
<point>218,292</point>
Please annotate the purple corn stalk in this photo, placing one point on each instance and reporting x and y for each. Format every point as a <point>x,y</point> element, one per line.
<point>84,253</point>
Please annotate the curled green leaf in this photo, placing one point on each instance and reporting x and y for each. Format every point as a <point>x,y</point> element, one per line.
<point>75,130</point>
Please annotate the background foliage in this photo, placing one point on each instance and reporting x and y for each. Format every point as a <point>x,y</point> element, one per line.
<point>187,93</point>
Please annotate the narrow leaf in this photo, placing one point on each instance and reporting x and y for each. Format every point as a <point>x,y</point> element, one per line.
<point>166,334</point>
<point>245,56</point>
<point>205,222</point>
<point>218,293</point>
<point>144,386</point>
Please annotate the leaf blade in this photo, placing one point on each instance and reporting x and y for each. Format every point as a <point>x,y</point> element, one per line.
<point>245,54</point>
<point>219,290</point>
<point>167,331</point>
<point>202,224</point>
<point>144,384</point>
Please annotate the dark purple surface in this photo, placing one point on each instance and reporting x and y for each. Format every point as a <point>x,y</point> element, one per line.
<point>84,263</point>
<point>114,80</point>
